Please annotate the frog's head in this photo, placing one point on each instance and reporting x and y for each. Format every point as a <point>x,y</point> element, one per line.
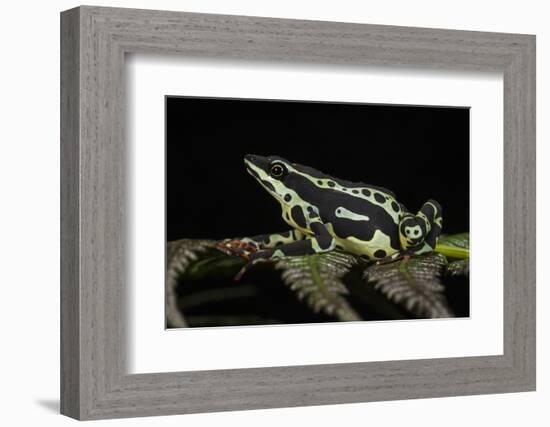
<point>273,173</point>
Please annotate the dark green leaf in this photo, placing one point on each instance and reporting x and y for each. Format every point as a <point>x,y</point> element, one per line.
<point>180,254</point>
<point>413,283</point>
<point>317,279</point>
<point>459,267</point>
<point>461,240</point>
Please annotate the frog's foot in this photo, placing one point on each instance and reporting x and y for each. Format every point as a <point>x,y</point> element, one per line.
<point>236,247</point>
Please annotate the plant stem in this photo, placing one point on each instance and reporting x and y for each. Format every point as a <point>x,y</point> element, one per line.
<point>452,251</point>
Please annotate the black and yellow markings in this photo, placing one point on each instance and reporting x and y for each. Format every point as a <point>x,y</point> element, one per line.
<point>380,253</point>
<point>375,195</point>
<point>421,230</point>
<point>327,212</point>
<point>269,241</point>
<point>297,215</point>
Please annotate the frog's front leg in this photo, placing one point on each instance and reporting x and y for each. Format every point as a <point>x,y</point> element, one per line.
<point>321,241</point>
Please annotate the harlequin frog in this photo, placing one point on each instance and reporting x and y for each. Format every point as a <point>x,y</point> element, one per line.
<point>327,213</point>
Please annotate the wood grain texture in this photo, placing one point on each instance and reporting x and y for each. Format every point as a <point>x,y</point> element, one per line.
<point>70,297</point>
<point>94,381</point>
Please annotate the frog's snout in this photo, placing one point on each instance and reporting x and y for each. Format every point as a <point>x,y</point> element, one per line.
<point>254,158</point>
<point>258,161</point>
<point>250,157</point>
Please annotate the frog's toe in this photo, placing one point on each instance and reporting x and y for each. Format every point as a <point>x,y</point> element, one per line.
<point>403,255</point>
<point>255,258</point>
<point>391,258</point>
<point>242,271</point>
<point>236,247</point>
<point>247,267</point>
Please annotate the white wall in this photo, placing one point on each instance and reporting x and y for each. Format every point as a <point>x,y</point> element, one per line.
<point>29,238</point>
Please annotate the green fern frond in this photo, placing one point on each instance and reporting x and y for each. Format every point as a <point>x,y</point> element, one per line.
<point>317,279</point>
<point>413,283</point>
<point>460,267</point>
<point>180,254</point>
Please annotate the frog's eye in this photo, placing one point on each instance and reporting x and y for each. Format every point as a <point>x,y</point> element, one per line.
<point>277,170</point>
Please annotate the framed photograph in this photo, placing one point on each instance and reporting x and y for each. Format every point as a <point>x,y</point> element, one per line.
<point>263,213</point>
<point>367,226</point>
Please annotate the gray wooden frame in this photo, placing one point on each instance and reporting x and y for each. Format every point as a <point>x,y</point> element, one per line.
<point>94,41</point>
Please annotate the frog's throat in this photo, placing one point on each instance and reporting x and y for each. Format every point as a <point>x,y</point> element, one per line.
<point>263,179</point>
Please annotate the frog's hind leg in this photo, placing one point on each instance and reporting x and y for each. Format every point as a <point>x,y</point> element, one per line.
<point>434,214</point>
<point>418,233</point>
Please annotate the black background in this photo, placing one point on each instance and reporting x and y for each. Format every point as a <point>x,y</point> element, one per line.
<point>417,152</point>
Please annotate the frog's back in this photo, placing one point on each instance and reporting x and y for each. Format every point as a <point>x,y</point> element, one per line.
<point>342,183</point>
<point>363,223</point>
<point>364,219</point>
